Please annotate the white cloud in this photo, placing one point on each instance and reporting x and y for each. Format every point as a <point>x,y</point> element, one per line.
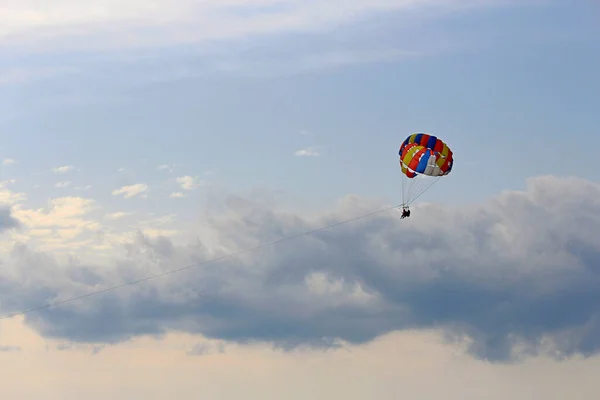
<point>8,196</point>
<point>165,167</point>
<point>8,161</point>
<point>131,190</point>
<point>117,215</point>
<point>59,211</point>
<point>83,188</point>
<point>308,152</point>
<point>102,23</point>
<point>65,25</point>
<point>60,223</point>
<point>188,182</point>
<point>63,184</point>
<point>63,169</point>
<point>177,195</point>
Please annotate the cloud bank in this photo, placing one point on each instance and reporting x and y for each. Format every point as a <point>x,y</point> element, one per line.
<point>515,276</point>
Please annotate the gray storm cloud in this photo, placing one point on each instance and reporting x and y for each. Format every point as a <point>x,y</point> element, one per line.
<point>7,221</point>
<point>510,277</point>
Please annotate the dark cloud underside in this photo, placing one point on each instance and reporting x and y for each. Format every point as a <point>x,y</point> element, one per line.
<point>519,272</point>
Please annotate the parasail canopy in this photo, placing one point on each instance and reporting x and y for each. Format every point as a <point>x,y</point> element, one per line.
<point>423,159</point>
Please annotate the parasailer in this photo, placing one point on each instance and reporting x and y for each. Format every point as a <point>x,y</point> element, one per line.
<point>405,212</point>
<point>424,158</point>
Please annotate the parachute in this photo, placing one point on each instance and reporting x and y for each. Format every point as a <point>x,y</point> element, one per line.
<point>423,160</point>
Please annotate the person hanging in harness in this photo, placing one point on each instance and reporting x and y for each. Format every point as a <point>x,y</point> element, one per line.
<point>405,213</point>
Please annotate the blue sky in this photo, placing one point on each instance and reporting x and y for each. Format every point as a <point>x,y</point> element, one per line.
<point>497,82</point>
<point>213,115</point>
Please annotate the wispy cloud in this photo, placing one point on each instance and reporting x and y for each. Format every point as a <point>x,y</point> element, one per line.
<point>165,167</point>
<point>83,188</point>
<point>63,184</point>
<point>8,161</point>
<point>188,182</point>
<point>307,152</point>
<point>129,191</point>
<point>162,22</point>
<point>292,63</point>
<point>7,196</point>
<point>64,25</point>
<point>117,215</point>
<point>64,169</point>
<point>177,195</point>
<point>318,60</point>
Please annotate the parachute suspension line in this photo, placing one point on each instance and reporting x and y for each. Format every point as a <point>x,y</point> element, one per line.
<point>413,188</point>
<point>210,261</point>
<point>422,190</point>
<point>404,189</point>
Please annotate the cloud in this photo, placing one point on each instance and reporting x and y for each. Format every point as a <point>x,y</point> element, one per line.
<point>511,277</point>
<point>118,215</point>
<point>64,220</point>
<point>74,228</point>
<point>177,195</point>
<point>63,169</point>
<point>69,24</point>
<point>8,161</point>
<point>308,152</point>
<point>206,348</point>
<point>254,32</point>
<point>8,220</point>
<point>166,167</point>
<point>9,197</point>
<point>188,182</point>
<point>9,348</point>
<point>63,184</point>
<point>130,191</point>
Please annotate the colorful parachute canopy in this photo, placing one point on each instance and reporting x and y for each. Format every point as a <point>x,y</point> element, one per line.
<point>425,154</point>
<point>423,159</point>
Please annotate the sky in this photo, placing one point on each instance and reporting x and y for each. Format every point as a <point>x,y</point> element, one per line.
<point>144,137</point>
